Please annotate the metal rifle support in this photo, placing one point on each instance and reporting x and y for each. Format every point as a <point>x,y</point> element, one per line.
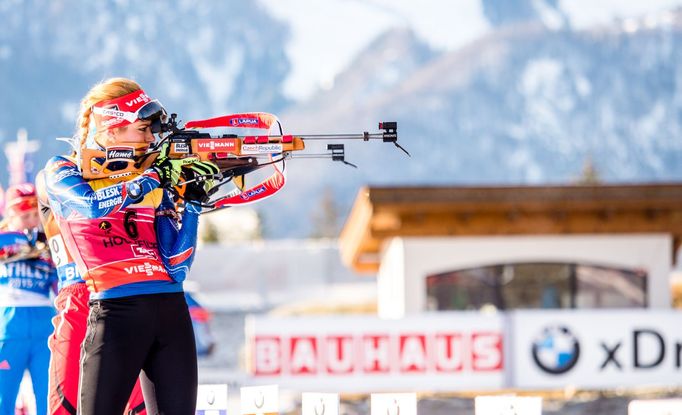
<point>391,134</point>
<point>337,151</point>
<point>339,154</point>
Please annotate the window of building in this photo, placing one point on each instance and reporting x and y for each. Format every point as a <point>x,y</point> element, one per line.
<point>537,285</point>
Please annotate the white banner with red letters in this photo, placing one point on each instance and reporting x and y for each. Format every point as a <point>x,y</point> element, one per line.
<point>437,351</point>
<point>458,351</point>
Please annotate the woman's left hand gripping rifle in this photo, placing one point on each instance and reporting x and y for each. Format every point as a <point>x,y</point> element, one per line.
<point>177,238</point>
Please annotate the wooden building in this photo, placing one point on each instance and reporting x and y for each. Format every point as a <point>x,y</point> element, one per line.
<point>418,238</point>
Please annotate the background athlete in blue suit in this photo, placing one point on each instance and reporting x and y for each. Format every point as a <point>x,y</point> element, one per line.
<point>27,276</point>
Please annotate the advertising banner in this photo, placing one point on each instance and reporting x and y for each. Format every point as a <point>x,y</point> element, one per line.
<point>595,349</point>
<point>469,351</point>
<point>437,351</point>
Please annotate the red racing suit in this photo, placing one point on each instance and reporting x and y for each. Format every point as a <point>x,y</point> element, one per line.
<point>122,232</point>
<point>125,239</point>
<point>69,323</point>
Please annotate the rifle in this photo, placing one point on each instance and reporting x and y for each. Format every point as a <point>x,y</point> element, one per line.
<point>235,155</point>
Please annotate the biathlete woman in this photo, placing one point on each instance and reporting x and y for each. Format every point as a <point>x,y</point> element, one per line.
<point>27,276</point>
<point>69,323</point>
<point>126,240</point>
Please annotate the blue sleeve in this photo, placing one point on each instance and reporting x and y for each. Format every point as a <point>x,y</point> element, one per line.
<point>190,300</point>
<point>13,244</point>
<point>70,192</point>
<point>177,244</point>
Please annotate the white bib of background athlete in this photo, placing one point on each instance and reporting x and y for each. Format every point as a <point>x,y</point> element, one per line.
<point>58,251</point>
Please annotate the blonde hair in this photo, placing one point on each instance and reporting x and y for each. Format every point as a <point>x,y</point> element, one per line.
<point>108,89</point>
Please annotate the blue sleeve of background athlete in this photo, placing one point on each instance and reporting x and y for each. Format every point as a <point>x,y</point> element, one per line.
<point>177,245</point>
<point>70,192</point>
<point>13,244</point>
<point>9,239</point>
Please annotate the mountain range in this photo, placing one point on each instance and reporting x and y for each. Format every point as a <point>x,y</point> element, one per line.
<point>533,100</point>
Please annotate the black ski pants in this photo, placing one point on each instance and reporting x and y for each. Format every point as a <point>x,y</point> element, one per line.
<point>150,333</point>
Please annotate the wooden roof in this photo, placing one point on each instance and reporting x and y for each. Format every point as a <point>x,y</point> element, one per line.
<point>384,212</point>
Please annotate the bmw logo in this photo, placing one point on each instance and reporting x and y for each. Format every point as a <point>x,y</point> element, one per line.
<point>556,350</point>
<point>134,190</point>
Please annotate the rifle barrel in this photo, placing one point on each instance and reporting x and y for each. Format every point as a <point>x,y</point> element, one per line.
<point>311,156</point>
<point>376,136</point>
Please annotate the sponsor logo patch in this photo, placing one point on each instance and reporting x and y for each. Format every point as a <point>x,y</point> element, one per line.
<point>110,202</point>
<point>141,98</point>
<point>61,175</point>
<point>112,112</point>
<point>180,148</point>
<point>142,252</point>
<point>106,193</point>
<point>251,193</point>
<point>120,153</point>
<point>222,144</point>
<point>244,121</point>
<point>146,268</point>
<point>134,190</point>
<point>105,226</point>
<point>261,148</point>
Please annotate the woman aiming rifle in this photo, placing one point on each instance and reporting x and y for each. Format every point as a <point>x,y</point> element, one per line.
<point>69,323</point>
<point>124,235</point>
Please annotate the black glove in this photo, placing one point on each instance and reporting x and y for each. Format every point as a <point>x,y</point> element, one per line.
<point>195,192</point>
<point>200,188</point>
